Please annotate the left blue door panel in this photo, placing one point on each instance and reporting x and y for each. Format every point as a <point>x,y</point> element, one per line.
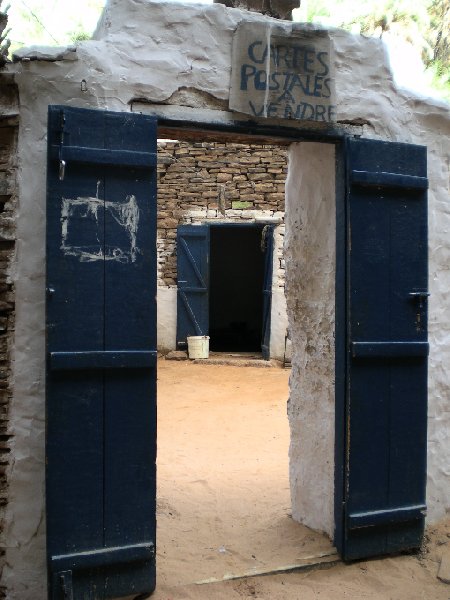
<point>101,354</point>
<point>193,282</point>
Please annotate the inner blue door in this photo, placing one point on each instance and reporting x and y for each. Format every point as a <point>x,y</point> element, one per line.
<point>225,286</point>
<point>192,282</point>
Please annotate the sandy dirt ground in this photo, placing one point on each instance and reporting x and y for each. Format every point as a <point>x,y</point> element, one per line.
<point>224,505</point>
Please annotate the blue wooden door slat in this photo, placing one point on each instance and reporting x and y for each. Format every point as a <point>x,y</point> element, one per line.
<point>388,180</point>
<point>385,349</point>
<point>384,517</point>
<point>108,359</point>
<point>193,282</point>
<point>267,290</point>
<point>103,558</point>
<point>130,323</point>
<point>101,349</point>
<point>104,156</point>
<point>387,277</point>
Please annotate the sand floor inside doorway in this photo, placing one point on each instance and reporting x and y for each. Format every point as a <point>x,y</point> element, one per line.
<point>223,487</point>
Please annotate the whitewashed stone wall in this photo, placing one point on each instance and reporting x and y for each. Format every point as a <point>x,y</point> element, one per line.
<point>214,181</point>
<point>177,58</point>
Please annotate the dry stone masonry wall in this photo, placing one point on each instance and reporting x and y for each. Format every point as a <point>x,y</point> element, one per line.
<point>8,166</point>
<point>217,182</point>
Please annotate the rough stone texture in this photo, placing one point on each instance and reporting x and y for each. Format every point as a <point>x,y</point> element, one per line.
<point>50,53</point>
<point>310,254</point>
<point>280,9</point>
<point>214,182</point>
<point>147,50</point>
<point>8,202</point>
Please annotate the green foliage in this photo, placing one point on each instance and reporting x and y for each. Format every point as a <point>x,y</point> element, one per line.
<point>31,29</point>
<point>439,36</point>
<point>53,22</point>
<point>4,32</point>
<point>440,74</point>
<point>425,24</point>
<point>80,36</point>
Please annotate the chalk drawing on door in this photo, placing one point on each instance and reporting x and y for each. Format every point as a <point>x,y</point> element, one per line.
<point>83,223</point>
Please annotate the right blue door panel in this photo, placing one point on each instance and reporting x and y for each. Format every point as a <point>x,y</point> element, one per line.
<point>386,407</point>
<point>267,244</point>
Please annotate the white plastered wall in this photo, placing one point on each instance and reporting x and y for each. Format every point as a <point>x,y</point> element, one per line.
<point>310,252</point>
<point>166,299</point>
<point>181,54</point>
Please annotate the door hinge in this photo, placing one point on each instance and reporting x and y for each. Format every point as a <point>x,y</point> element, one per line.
<point>65,584</point>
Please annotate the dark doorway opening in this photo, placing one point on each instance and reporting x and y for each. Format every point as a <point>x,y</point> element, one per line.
<point>236,288</point>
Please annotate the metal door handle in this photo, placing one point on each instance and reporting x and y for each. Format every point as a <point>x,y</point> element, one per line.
<point>62,169</point>
<point>420,297</point>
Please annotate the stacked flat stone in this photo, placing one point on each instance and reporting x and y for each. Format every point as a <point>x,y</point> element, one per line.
<point>215,182</point>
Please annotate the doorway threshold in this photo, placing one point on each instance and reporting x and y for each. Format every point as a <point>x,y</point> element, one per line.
<point>308,563</point>
<point>235,359</point>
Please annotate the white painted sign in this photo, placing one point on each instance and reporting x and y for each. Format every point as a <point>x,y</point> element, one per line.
<point>282,74</point>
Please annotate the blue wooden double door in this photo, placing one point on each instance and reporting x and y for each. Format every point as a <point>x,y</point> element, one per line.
<point>225,286</point>
<point>101,351</point>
